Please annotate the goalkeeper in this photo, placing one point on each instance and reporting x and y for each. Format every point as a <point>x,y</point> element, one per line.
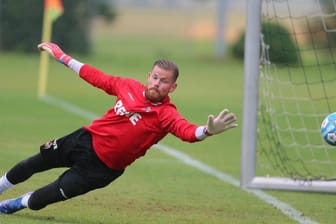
<point>98,153</point>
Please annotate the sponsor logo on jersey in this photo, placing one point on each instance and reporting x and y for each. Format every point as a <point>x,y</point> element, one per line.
<point>131,96</point>
<point>120,110</point>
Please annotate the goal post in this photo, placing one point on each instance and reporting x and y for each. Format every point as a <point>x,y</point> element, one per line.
<point>250,97</point>
<point>284,102</point>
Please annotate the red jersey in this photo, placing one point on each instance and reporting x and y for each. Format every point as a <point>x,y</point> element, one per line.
<point>126,131</point>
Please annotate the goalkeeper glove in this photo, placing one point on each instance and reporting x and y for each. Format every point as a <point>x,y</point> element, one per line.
<point>224,121</point>
<point>55,51</point>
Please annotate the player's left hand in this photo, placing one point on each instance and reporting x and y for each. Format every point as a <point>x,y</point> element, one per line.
<point>224,121</point>
<point>55,51</point>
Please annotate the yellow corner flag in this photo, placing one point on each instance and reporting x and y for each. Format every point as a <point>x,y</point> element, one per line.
<point>52,10</point>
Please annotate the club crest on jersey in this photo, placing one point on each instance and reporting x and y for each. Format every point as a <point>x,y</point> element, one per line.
<point>51,145</point>
<point>119,109</point>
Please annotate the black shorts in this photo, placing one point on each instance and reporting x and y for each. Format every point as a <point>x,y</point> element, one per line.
<point>86,169</point>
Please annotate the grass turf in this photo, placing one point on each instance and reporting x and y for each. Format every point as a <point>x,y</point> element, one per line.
<point>156,188</point>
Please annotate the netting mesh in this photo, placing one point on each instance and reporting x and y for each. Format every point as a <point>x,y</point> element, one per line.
<point>297,88</point>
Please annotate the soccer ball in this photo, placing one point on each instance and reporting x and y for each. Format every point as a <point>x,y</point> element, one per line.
<point>328,129</point>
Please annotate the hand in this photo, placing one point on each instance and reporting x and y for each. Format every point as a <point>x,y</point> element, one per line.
<point>55,51</point>
<point>224,121</point>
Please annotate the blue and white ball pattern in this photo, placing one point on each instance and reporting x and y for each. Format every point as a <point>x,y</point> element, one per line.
<point>328,129</point>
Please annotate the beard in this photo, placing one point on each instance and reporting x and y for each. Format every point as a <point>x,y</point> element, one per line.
<point>153,95</point>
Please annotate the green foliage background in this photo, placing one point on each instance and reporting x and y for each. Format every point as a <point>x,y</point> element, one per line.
<point>21,24</point>
<point>282,50</point>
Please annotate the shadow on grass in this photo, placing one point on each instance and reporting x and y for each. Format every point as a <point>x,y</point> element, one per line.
<point>43,218</point>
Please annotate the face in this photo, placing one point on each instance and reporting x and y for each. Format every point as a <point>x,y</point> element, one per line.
<point>159,84</point>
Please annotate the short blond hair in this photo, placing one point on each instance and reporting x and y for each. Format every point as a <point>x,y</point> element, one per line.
<point>168,66</point>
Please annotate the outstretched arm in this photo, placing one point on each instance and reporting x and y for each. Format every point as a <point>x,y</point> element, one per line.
<point>90,74</point>
<point>215,125</point>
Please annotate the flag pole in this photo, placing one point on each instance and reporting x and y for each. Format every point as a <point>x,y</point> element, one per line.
<point>44,59</point>
<point>52,10</point>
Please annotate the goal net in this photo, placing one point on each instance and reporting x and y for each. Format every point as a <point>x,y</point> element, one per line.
<point>290,86</point>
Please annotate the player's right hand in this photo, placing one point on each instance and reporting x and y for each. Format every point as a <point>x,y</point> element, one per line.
<point>55,51</point>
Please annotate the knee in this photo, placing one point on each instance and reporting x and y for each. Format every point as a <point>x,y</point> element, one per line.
<point>72,186</point>
<point>35,203</point>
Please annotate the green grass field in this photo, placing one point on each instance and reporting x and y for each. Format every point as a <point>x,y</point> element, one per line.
<point>156,188</point>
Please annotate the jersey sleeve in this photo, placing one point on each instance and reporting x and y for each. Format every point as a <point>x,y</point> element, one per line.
<point>177,125</point>
<point>99,79</point>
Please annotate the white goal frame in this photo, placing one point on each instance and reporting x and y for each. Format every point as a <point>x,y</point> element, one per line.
<point>248,178</point>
